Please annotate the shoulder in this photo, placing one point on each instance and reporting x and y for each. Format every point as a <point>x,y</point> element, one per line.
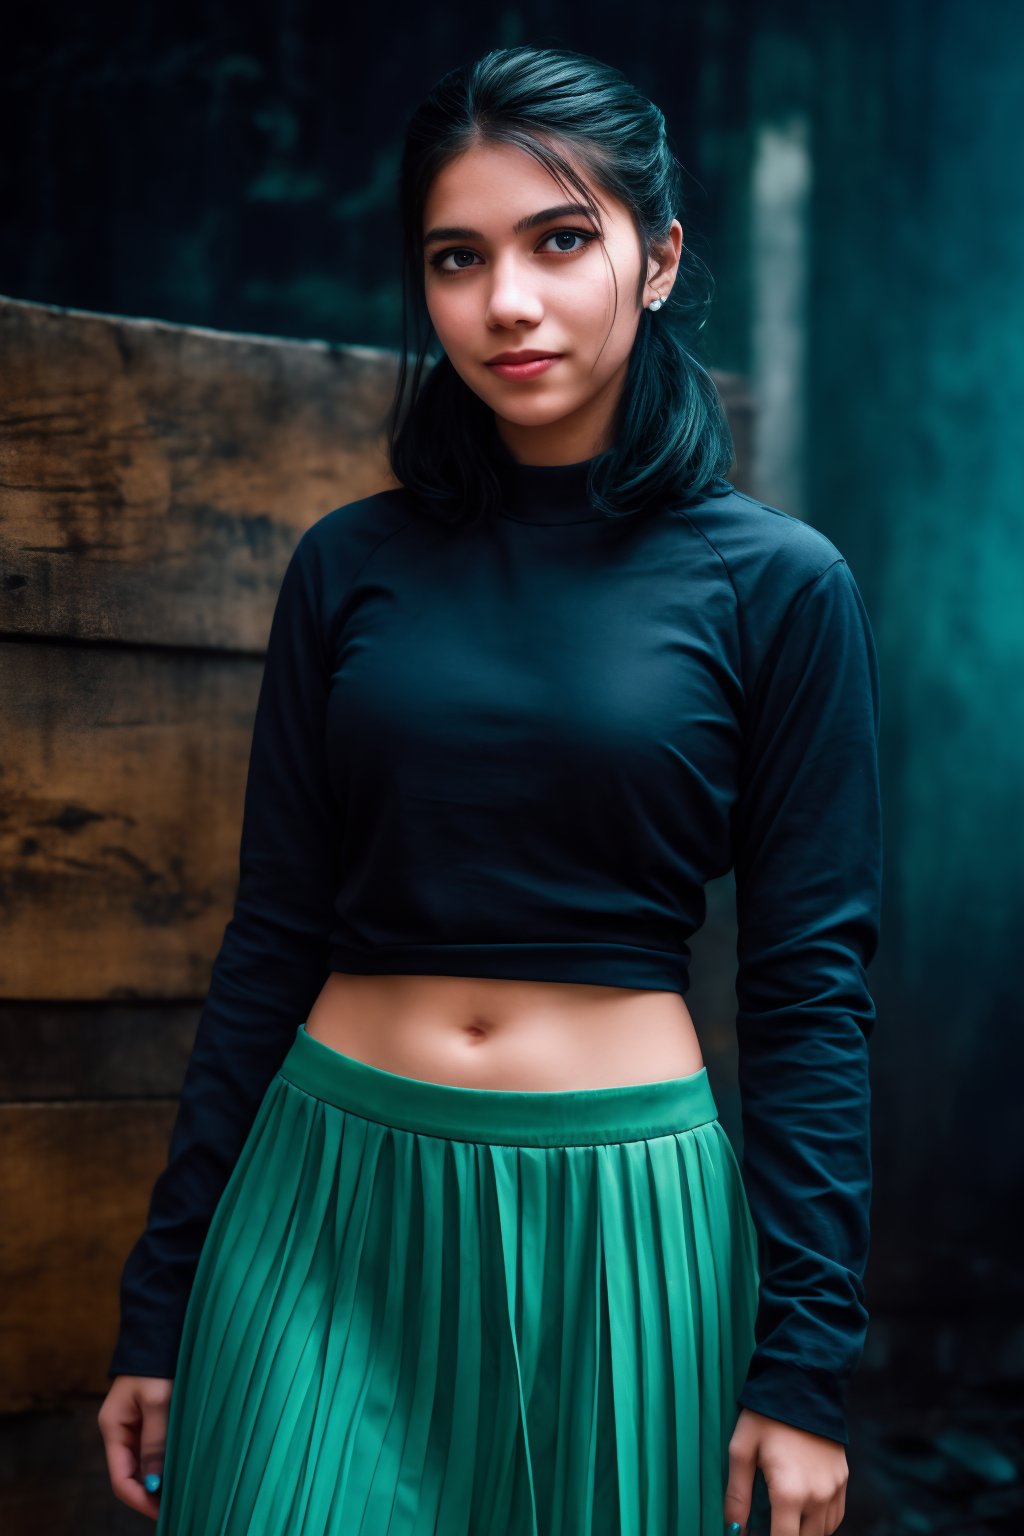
<point>760,544</point>
<point>336,546</point>
<point>769,555</point>
<point>353,529</point>
<point>326,560</point>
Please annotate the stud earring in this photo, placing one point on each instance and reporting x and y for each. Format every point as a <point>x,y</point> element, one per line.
<point>655,304</point>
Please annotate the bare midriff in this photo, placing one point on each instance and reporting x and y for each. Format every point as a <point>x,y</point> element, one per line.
<point>484,1032</point>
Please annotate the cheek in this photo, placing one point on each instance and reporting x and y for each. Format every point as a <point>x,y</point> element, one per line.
<point>434,310</point>
<point>448,317</point>
<point>603,319</point>
<point>606,345</point>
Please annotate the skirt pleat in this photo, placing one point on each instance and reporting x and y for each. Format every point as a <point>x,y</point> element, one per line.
<point>424,1310</point>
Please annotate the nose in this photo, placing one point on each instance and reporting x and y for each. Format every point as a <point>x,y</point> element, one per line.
<point>512,297</point>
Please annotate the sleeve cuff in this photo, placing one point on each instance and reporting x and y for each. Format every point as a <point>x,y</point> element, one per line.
<point>161,1359</point>
<point>803,1398</point>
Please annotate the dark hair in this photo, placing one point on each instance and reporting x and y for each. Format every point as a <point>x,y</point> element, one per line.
<point>671,438</point>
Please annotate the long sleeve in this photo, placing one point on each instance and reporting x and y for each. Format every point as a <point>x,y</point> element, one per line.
<point>267,973</point>
<point>808,866</point>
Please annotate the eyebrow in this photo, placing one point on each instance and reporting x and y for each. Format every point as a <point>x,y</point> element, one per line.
<point>460,232</point>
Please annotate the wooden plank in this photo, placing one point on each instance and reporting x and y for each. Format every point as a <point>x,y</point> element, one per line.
<point>75,1181</point>
<point>57,1051</point>
<point>122,805</point>
<point>155,476</point>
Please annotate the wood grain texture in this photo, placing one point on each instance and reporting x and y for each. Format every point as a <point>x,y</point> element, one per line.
<point>74,1189</point>
<point>123,784</point>
<point>51,1052</point>
<point>154,477</point>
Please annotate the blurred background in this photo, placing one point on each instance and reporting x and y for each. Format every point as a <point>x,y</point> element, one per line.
<point>854,186</point>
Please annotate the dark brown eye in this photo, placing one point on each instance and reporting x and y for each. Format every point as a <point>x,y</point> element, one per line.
<point>585,235</point>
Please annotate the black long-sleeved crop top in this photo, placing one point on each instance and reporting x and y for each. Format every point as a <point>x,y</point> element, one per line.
<point>521,749</point>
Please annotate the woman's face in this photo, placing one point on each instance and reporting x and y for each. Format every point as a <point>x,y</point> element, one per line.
<point>491,289</point>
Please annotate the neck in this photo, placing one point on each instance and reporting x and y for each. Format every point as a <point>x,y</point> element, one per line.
<point>544,493</point>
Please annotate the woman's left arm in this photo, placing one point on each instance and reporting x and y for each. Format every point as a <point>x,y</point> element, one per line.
<point>807,838</point>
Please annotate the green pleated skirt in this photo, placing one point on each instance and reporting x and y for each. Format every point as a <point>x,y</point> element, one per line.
<point>430,1310</point>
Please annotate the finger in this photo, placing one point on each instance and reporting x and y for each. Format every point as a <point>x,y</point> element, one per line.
<point>812,1521</point>
<point>786,1509</point>
<point>740,1490</point>
<point>154,1444</point>
<point>134,1430</point>
<point>123,1469</point>
<point>834,1513</point>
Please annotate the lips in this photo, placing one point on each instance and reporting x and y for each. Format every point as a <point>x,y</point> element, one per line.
<point>523,372</point>
<point>515,358</point>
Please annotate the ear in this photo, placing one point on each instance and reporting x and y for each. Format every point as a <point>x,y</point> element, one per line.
<point>663,263</point>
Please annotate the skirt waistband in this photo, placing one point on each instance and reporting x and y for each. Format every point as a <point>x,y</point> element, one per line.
<point>536,1118</point>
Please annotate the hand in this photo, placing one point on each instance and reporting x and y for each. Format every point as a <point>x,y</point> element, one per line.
<point>133,1423</point>
<point>806,1476</point>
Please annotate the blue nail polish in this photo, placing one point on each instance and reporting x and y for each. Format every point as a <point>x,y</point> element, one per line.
<point>152,1482</point>
<point>733,1528</point>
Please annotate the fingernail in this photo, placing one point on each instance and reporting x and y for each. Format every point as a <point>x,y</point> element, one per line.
<point>152,1482</point>
<point>733,1528</point>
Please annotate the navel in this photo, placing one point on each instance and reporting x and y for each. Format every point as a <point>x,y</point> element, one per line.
<point>479,1028</point>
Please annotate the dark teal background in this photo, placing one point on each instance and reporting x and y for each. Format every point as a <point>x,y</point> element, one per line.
<point>234,166</point>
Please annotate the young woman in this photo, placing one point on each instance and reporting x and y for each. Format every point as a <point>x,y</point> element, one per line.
<point>450,1238</point>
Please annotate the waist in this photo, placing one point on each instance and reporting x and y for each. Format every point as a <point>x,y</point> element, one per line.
<point>490,1032</point>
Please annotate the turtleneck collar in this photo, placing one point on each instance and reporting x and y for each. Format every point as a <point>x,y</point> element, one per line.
<point>543,493</point>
